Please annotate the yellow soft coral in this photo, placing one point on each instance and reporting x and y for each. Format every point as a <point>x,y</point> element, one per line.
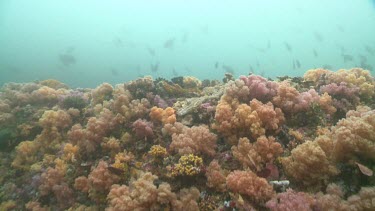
<point>158,151</point>
<point>70,152</point>
<point>188,165</point>
<point>25,155</point>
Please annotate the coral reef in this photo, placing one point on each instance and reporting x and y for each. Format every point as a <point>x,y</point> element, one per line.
<point>250,185</point>
<point>194,140</point>
<point>249,143</point>
<point>256,155</point>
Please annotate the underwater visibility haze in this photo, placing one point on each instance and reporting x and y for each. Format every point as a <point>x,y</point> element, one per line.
<point>187,105</point>
<point>83,43</point>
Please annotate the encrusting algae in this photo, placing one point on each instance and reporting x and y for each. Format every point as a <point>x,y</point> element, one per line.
<point>249,143</point>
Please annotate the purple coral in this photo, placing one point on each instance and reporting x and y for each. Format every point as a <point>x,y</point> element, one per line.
<point>291,200</point>
<point>160,102</point>
<point>143,129</point>
<point>341,91</point>
<point>249,87</point>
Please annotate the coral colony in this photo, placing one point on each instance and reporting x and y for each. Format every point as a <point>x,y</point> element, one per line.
<point>243,144</point>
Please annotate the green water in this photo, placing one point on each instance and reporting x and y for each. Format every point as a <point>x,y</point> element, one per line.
<point>84,43</point>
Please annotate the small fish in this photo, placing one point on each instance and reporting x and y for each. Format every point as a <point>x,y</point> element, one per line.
<point>369,49</point>
<point>315,53</point>
<point>118,42</point>
<point>114,72</point>
<point>262,50</point>
<point>228,69</point>
<point>151,51</point>
<point>204,29</point>
<point>67,59</point>
<point>154,67</point>
<point>262,73</point>
<point>288,47</point>
<point>216,65</point>
<point>116,170</point>
<point>362,58</point>
<point>365,66</point>
<point>257,63</point>
<point>340,28</point>
<point>327,67</point>
<point>294,65</point>
<point>318,37</point>
<point>185,37</point>
<point>169,43</point>
<point>70,50</point>
<point>364,169</point>
<point>174,72</point>
<point>251,69</point>
<point>347,57</point>
<point>298,64</point>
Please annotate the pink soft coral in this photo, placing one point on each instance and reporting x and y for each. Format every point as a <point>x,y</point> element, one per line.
<point>194,140</point>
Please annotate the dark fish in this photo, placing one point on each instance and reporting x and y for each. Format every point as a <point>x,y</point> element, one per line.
<point>118,42</point>
<point>340,28</point>
<point>347,57</point>
<point>315,53</point>
<point>366,66</point>
<point>369,49</point>
<point>216,65</point>
<point>185,37</point>
<point>288,46</point>
<point>70,50</point>
<point>67,59</point>
<point>262,50</point>
<point>298,64</point>
<point>204,29</point>
<point>262,73</point>
<point>362,58</point>
<point>154,67</point>
<point>116,170</point>
<point>363,63</point>
<point>114,72</point>
<point>169,43</point>
<point>228,69</point>
<point>131,44</point>
<point>318,37</point>
<point>342,48</point>
<point>251,69</point>
<point>327,67</point>
<point>10,69</point>
<point>187,69</point>
<point>294,65</point>
<point>151,51</point>
<point>174,72</point>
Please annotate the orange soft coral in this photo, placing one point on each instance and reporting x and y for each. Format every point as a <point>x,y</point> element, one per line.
<point>194,140</point>
<point>166,116</point>
<point>242,120</point>
<point>100,181</point>
<point>142,194</point>
<point>309,165</point>
<point>250,185</point>
<point>256,155</point>
<point>216,176</point>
